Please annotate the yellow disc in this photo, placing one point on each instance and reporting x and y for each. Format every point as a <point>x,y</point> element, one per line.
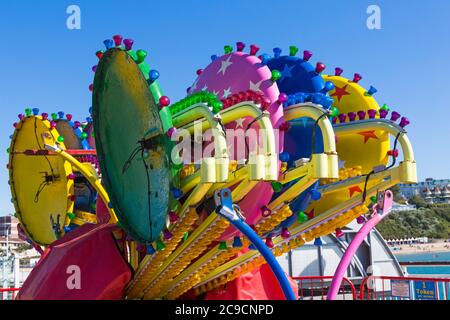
<point>366,148</point>
<point>39,185</point>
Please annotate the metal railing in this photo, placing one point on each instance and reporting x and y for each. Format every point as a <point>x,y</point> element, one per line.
<point>8,293</point>
<point>404,288</point>
<point>316,288</point>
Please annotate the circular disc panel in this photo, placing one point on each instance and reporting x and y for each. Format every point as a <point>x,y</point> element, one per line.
<point>125,113</point>
<point>37,201</point>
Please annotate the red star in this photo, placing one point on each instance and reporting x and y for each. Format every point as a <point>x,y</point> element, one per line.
<point>354,189</point>
<point>340,92</point>
<point>368,134</point>
<point>310,214</point>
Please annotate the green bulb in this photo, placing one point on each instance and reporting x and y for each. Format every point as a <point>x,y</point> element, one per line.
<point>186,235</point>
<point>92,134</point>
<point>141,55</point>
<point>277,186</point>
<point>334,111</point>
<point>28,112</point>
<point>54,116</point>
<point>84,135</point>
<point>385,107</point>
<point>93,206</point>
<point>293,50</point>
<point>177,166</point>
<point>160,245</point>
<point>61,139</point>
<point>217,106</point>
<point>71,215</point>
<point>8,150</point>
<point>223,245</point>
<point>145,155</point>
<point>302,217</point>
<point>373,199</point>
<point>228,49</point>
<point>276,75</point>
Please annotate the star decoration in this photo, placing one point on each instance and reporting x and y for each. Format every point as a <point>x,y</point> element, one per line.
<point>224,65</point>
<point>368,134</point>
<point>341,163</point>
<point>205,88</point>
<point>215,92</point>
<point>354,189</point>
<point>226,92</point>
<point>255,86</point>
<point>240,123</point>
<point>286,73</point>
<point>340,92</point>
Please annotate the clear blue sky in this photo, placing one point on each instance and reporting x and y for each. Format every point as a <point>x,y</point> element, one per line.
<point>45,65</point>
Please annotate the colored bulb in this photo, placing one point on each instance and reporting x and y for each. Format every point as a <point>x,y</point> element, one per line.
<point>342,117</point>
<point>338,71</point>
<point>240,46</point>
<point>150,250</point>
<point>44,116</point>
<point>277,186</point>
<point>60,114</point>
<point>228,49</point>
<point>307,55</point>
<point>360,220</point>
<point>282,98</point>
<point>284,156</point>
<point>320,67</point>
<point>177,193</point>
<point>128,44</point>
<point>153,75</point>
<point>164,101</point>
<point>171,132</point>
<point>237,243</point>
<point>35,111</point>
<point>94,68</point>
<point>160,245</point>
<point>357,77</point>
<point>351,116</point>
<point>269,242</point>
<point>265,211</point>
<point>372,90</point>
<point>253,49</point>
<point>293,50</point>
<point>404,122</point>
<point>84,135</point>
<point>383,113</point>
<point>385,107</point>
<point>173,217</point>
<point>20,116</point>
<point>276,75</point>
<point>71,176</point>
<point>339,233</point>
<point>373,199</point>
<point>372,113</point>
<point>318,242</point>
<point>167,235</point>
<point>223,245</point>
<point>117,40</point>
<point>361,115</point>
<point>199,72</point>
<point>108,44</point>
<point>328,86</point>
<point>61,139</point>
<point>52,124</point>
<point>334,112</point>
<point>99,54</point>
<point>276,52</point>
<point>285,233</point>
<point>214,57</point>
<point>28,112</point>
<point>302,217</point>
<point>315,195</point>
<point>395,115</point>
<point>141,55</point>
<point>71,215</point>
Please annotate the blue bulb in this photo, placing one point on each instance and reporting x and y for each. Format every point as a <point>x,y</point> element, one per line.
<point>110,205</point>
<point>67,229</point>
<point>265,58</point>
<point>315,195</point>
<point>177,193</point>
<point>372,90</point>
<point>214,57</point>
<point>318,242</point>
<point>35,111</point>
<point>316,98</point>
<point>284,156</point>
<point>328,86</point>
<point>150,250</point>
<point>153,75</point>
<point>89,119</point>
<point>252,247</point>
<point>60,114</point>
<point>108,44</point>
<point>237,243</point>
<point>90,110</point>
<point>10,136</point>
<point>276,52</point>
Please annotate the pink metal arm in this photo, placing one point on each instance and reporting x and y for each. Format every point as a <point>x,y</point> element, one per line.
<point>378,212</point>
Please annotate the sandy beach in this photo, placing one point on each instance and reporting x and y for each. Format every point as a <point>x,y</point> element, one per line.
<point>438,246</point>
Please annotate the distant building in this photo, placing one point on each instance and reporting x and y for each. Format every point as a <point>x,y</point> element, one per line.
<point>403,207</point>
<point>8,229</point>
<point>431,190</point>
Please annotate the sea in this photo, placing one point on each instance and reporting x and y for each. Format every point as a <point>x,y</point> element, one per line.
<point>425,257</point>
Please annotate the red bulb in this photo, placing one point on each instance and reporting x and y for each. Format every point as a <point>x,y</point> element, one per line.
<point>71,176</point>
<point>68,117</point>
<point>357,77</point>
<point>164,101</point>
<point>320,67</point>
<point>199,71</point>
<point>44,116</point>
<point>91,87</point>
<point>253,49</point>
<point>15,124</point>
<point>117,40</point>
<point>99,54</point>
